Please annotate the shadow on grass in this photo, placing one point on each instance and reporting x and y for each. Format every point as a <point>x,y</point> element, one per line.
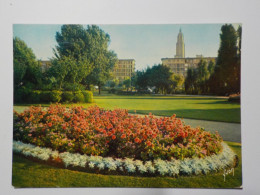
<point>218,102</point>
<point>158,98</point>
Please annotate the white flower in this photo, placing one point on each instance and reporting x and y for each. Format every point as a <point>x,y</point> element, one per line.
<point>91,165</point>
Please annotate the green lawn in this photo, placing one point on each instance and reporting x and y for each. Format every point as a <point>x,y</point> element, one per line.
<point>31,174</point>
<point>215,109</point>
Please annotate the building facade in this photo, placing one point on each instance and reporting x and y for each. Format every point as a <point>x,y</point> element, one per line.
<point>45,65</point>
<point>124,69</point>
<point>180,64</point>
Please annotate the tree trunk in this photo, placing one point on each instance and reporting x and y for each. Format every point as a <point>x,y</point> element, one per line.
<point>99,89</point>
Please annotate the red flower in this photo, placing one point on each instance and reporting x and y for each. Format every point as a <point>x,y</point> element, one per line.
<point>49,124</point>
<point>137,140</point>
<point>123,136</point>
<point>113,137</point>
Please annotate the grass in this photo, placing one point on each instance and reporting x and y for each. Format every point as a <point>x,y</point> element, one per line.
<point>205,108</point>
<point>31,174</point>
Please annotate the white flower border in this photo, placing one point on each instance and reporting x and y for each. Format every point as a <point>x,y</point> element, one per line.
<point>188,166</point>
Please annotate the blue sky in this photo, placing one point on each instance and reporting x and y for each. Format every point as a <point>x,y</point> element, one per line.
<point>147,44</point>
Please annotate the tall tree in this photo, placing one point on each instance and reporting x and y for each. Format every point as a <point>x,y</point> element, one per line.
<point>72,41</point>
<point>190,84</point>
<point>239,33</point>
<point>26,68</point>
<point>203,76</point>
<point>85,54</point>
<point>103,60</point>
<point>227,68</point>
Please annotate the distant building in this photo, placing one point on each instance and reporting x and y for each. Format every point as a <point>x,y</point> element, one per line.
<point>180,47</point>
<point>124,69</point>
<point>180,64</point>
<point>45,65</point>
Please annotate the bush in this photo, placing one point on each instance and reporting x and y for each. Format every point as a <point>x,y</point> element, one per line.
<point>88,96</point>
<point>35,96</point>
<point>21,95</point>
<point>78,97</point>
<point>67,96</point>
<point>55,96</point>
<point>45,97</point>
<point>73,87</point>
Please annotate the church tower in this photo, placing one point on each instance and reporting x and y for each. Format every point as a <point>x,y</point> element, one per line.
<point>180,47</point>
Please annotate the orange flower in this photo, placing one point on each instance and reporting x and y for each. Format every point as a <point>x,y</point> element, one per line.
<point>49,124</point>
<point>113,137</point>
<point>148,143</point>
<point>123,136</point>
<point>137,140</point>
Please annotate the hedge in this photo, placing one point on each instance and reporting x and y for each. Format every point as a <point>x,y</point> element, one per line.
<point>25,95</point>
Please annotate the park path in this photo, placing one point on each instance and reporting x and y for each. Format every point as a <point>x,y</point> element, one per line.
<point>228,131</point>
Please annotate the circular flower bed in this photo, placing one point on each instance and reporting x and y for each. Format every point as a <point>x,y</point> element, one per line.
<point>114,134</point>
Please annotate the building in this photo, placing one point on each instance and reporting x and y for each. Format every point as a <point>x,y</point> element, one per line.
<point>124,69</point>
<point>180,64</point>
<point>45,65</point>
<point>180,47</point>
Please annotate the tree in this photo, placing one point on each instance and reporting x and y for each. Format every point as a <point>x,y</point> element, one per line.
<point>239,33</point>
<point>72,41</point>
<point>67,69</point>
<point>177,81</point>
<point>127,83</point>
<point>191,81</point>
<point>85,54</point>
<point>227,66</point>
<point>202,76</point>
<point>27,71</point>
<point>102,59</point>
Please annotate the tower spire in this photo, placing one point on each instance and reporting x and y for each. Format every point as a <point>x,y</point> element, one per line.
<point>180,47</point>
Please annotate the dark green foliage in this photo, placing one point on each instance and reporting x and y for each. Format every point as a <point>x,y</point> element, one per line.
<point>198,79</point>
<point>22,94</point>
<point>27,72</point>
<point>127,83</point>
<point>67,96</point>
<point>45,96</point>
<point>55,96</point>
<point>158,76</point>
<point>78,97</point>
<point>102,59</point>
<point>82,56</point>
<point>88,96</point>
<point>26,67</point>
<point>227,70</point>
<point>35,96</point>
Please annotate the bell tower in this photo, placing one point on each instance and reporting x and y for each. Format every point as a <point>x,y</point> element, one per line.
<point>180,47</point>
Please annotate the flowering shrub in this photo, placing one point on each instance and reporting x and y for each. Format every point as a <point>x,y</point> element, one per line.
<point>128,166</point>
<point>115,134</point>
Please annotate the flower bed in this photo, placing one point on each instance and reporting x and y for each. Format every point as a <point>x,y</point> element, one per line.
<point>115,134</point>
<point>128,166</point>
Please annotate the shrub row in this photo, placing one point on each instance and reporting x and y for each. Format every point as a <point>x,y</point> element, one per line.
<point>38,96</point>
